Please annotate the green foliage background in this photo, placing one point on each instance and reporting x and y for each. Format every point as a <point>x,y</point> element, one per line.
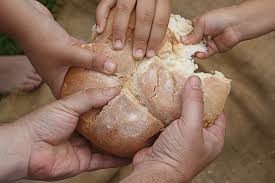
<point>9,46</point>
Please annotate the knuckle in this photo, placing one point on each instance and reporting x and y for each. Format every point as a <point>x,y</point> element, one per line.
<point>117,30</point>
<point>199,21</point>
<point>87,92</point>
<point>91,63</point>
<point>107,2</point>
<point>123,7</point>
<point>161,24</point>
<point>147,17</point>
<point>155,44</point>
<point>196,35</point>
<point>196,96</point>
<point>140,39</point>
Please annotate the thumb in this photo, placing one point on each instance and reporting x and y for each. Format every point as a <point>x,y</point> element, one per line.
<point>193,107</point>
<point>90,98</point>
<point>83,57</point>
<point>198,32</point>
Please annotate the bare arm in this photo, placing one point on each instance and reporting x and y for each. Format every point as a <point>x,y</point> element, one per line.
<point>50,49</point>
<point>232,25</point>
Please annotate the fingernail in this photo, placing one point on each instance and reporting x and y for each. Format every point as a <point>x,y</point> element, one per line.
<point>195,82</point>
<point>151,53</point>
<point>139,53</point>
<point>110,92</point>
<point>97,28</point>
<point>118,44</point>
<point>109,66</point>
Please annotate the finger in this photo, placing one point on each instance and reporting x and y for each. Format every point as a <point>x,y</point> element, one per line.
<point>192,109</point>
<point>30,82</point>
<point>87,99</point>
<point>160,25</point>
<point>197,34</point>
<point>35,77</point>
<point>82,150</point>
<point>100,161</point>
<point>141,155</point>
<point>81,57</point>
<point>211,50</point>
<point>226,40</point>
<point>214,136</point>
<point>218,128</point>
<point>124,9</point>
<point>93,161</point>
<point>102,13</point>
<point>29,87</point>
<point>144,21</point>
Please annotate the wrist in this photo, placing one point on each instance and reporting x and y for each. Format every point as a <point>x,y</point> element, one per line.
<point>255,18</point>
<point>15,152</point>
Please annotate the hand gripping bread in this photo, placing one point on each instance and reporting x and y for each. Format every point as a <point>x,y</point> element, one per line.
<point>151,90</point>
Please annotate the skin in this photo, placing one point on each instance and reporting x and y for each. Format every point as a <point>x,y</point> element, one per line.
<point>185,147</point>
<point>50,49</point>
<point>17,73</point>
<point>232,25</point>
<point>43,145</point>
<point>152,18</point>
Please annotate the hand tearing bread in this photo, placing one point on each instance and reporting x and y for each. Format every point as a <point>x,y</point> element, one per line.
<point>151,90</point>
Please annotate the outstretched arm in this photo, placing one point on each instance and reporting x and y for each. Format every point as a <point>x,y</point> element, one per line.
<point>232,25</point>
<point>50,49</point>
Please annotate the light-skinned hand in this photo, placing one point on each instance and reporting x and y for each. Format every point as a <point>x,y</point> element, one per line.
<point>185,147</point>
<point>152,18</point>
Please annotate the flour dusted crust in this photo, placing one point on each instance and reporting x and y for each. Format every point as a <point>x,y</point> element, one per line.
<point>151,90</point>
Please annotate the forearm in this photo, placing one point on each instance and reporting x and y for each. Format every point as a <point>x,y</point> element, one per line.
<point>15,18</point>
<point>21,20</point>
<point>256,18</point>
<point>14,152</point>
<point>155,173</point>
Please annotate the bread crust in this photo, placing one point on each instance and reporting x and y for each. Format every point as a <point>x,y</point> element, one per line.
<point>151,90</point>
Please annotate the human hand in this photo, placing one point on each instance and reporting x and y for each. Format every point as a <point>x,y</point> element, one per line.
<point>52,51</point>
<point>221,26</point>
<point>185,147</point>
<point>46,142</point>
<point>152,18</point>
<point>226,27</point>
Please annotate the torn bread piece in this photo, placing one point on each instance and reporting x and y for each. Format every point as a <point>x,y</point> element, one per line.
<point>151,90</point>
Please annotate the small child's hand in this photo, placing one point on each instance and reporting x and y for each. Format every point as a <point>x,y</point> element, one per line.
<point>218,27</point>
<point>52,51</point>
<point>226,27</point>
<point>152,18</point>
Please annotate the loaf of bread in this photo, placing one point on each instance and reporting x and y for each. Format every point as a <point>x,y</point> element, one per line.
<point>150,98</point>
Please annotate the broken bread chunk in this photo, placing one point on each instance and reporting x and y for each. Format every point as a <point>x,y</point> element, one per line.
<point>151,90</point>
